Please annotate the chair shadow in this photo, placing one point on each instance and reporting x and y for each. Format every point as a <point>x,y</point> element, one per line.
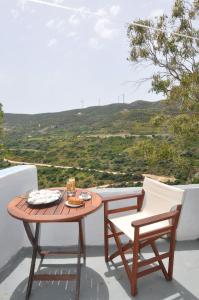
<point>93,286</point>
<point>153,286</point>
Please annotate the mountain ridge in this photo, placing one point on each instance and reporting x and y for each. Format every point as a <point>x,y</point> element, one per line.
<point>108,118</point>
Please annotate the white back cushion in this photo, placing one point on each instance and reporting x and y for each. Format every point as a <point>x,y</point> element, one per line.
<point>160,197</point>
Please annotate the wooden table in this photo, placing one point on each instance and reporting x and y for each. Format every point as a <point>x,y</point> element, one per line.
<point>56,212</point>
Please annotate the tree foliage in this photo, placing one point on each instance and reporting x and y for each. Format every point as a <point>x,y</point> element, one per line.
<point>175,55</point>
<point>171,44</point>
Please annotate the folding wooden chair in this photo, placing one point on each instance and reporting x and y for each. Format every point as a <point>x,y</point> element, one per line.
<point>157,213</point>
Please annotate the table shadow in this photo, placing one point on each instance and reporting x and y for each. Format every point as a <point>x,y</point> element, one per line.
<point>93,287</point>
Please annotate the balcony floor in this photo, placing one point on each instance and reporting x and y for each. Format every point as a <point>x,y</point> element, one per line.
<point>104,282</point>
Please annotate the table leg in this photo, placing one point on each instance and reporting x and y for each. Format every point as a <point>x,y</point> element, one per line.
<point>79,252</point>
<point>34,241</point>
<point>34,238</point>
<point>31,236</point>
<point>82,238</point>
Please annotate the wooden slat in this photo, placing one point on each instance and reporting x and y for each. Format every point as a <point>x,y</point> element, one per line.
<point>122,197</point>
<point>21,203</point>
<point>42,211</point>
<point>46,253</point>
<point>121,209</point>
<point>112,235</point>
<point>72,212</point>
<point>87,209</point>
<point>28,210</point>
<point>124,249</point>
<point>24,206</point>
<point>59,209</point>
<point>152,260</point>
<point>65,210</point>
<point>148,271</point>
<point>34,211</point>
<point>48,277</point>
<point>51,210</point>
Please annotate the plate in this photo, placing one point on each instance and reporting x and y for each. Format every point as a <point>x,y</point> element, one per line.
<point>43,197</point>
<point>73,205</point>
<point>85,196</point>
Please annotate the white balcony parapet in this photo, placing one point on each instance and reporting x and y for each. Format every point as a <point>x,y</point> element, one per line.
<point>13,181</point>
<point>188,227</point>
<point>20,179</point>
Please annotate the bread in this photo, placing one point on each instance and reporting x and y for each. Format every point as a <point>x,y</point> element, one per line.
<point>75,201</point>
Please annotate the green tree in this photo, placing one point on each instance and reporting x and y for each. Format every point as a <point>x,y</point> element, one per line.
<point>171,44</point>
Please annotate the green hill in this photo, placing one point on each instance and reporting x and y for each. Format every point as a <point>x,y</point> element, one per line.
<point>111,118</point>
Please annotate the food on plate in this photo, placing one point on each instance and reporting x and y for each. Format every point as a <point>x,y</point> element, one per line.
<point>75,201</point>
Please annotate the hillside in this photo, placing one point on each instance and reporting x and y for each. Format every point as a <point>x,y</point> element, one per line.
<point>111,118</point>
<point>100,145</point>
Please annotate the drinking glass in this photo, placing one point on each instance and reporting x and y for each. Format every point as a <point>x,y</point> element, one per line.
<point>70,187</point>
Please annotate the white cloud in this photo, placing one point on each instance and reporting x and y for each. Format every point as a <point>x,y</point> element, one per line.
<point>156,13</point>
<point>84,12</point>
<point>72,34</point>
<point>14,13</point>
<point>51,43</point>
<point>21,4</point>
<point>73,20</point>
<point>60,25</point>
<point>58,1</point>
<point>101,12</point>
<point>50,23</point>
<point>114,10</point>
<point>103,30</point>
<point>94,43</point>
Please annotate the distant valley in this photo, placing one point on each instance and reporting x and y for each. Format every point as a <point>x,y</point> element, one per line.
<point>96,145</point>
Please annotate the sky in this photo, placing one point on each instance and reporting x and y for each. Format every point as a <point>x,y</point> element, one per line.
<point>58,55</point>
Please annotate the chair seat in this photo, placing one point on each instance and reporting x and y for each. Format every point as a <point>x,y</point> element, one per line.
<point>124,223</point>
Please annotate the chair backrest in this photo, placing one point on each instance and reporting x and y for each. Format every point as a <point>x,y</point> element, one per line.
<point>160,197</point>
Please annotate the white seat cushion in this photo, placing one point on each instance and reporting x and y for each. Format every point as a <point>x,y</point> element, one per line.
<point>124,223</point>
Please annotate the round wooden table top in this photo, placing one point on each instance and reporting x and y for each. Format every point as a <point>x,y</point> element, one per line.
<point>56,212</point>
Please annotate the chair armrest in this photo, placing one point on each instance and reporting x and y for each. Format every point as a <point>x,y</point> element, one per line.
<point>122,197</point>
<point>138,206</point>
<point>156,218</point>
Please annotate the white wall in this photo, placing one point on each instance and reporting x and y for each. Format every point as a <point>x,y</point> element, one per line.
<point>13,181</point>
<point>188,227</point>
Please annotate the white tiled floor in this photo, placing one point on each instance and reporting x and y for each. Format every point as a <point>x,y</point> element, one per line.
<point>102,282</point>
